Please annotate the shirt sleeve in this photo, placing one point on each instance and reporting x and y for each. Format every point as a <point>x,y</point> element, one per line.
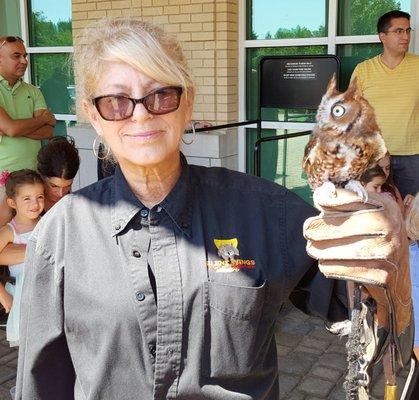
<point>359,76</point>
<point>39,101</point>
<point>45,370</point>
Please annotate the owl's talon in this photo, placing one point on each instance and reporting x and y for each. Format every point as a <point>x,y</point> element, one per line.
<point>325,192</point>
<point>356,187</point>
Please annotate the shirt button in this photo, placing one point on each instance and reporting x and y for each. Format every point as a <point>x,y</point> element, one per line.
<point>184,225</point>
<point>118,227</point>
<point>140,296</point>
<point>144,212</point>
<point>136,254</point>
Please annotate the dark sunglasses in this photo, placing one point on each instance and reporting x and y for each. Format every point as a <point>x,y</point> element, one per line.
<point>11,39</point>
<point>117,108</point>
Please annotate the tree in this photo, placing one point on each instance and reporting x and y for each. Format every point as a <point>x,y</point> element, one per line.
<point>52,72</point>
<point>363,14</point>
<point>299,32</point>
<point>48,33</point>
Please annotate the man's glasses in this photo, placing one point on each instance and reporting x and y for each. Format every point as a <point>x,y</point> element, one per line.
<point>11,39</point>
<point>400,31</point>
<point>160,101</point>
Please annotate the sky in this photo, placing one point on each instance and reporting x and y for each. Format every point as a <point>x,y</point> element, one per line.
<point>269,15</point>
<point>54,10</point>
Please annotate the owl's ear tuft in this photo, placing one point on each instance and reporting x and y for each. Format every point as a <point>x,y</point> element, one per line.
<point>331,86</point>
<point>353,90</point>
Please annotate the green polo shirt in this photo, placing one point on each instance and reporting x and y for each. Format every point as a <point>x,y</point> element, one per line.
<point>20,102</point>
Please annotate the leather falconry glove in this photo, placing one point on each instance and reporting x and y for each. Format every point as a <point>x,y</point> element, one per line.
<point>366,242</point>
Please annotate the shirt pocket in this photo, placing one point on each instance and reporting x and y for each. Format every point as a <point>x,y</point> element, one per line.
<point>236,334</point>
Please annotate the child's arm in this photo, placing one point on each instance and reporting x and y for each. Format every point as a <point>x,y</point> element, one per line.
<point>6,237</point>
<point>13,254</point>
<point>6,299</point>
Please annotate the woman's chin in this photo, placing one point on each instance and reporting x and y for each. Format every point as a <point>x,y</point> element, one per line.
<point>146,157</point>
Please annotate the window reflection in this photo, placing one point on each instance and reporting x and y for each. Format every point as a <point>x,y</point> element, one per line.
<point>50,23</point>
<point>281,160</point>
<point>351,55</point>
<point>359,17</point>
<point>282,19</point>
<point>52,74</point>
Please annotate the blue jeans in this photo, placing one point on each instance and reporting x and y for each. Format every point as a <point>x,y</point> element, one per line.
<point>406,173</point>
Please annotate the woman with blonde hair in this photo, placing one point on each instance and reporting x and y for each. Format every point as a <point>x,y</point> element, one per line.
<point>164,280</point>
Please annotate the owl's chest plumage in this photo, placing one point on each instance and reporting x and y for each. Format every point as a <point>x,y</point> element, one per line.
<point>338,161</point>
<point>346,140</point>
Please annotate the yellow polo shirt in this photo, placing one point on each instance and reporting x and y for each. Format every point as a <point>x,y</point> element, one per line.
<point>394,94</point>
<point>19,101</point>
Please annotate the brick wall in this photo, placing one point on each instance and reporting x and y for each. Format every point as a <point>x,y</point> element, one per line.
<point>208,31</point>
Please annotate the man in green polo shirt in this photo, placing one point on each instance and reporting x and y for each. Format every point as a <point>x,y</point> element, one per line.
<point>24,117</point>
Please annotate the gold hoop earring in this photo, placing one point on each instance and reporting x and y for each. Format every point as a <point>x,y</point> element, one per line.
<point>99,145</point>
<point>193,134</point>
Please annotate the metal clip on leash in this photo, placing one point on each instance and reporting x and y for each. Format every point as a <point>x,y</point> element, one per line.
<point>389,364</point>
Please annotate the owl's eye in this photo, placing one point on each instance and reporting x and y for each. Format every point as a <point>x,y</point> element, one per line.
<point>338,110</point>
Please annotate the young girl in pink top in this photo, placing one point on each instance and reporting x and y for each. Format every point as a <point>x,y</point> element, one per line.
<point>25,195</point>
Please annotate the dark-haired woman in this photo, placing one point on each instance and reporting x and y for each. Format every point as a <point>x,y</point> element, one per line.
<point>58,163</point>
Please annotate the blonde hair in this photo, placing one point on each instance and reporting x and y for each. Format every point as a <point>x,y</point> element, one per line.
<point>412,220</point>
<point>139,44</point>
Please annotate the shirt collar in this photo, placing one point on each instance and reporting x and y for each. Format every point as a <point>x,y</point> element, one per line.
<point>177,204</point>
<point>5,83</point>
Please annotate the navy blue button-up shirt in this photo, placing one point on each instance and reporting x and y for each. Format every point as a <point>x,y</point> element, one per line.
<point>174,302</point>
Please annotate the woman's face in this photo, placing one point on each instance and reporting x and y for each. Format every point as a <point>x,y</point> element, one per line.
<point>384,163</point>
<point>144,139</point>
<point>56,188</point>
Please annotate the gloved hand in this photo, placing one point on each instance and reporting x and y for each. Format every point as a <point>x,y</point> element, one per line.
<point>366,243</point>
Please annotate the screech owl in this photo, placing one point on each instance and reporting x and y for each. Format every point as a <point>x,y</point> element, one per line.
<point>346,140</point>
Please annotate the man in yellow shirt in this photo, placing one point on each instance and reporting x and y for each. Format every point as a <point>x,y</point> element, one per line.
<point>390,82</point>
<point>24,117</point>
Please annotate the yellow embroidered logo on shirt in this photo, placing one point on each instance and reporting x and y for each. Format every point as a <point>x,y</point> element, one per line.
<point>228,251</point>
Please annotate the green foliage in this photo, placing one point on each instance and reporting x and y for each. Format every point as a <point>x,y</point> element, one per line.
<point>356,17</point>
<point>300,32</point>
<point>297,32</point>
<point>48,33</point>
<point>364,14</point>
<point>52,72</point>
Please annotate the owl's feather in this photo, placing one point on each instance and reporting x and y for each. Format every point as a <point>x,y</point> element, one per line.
<point>346,140</point>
